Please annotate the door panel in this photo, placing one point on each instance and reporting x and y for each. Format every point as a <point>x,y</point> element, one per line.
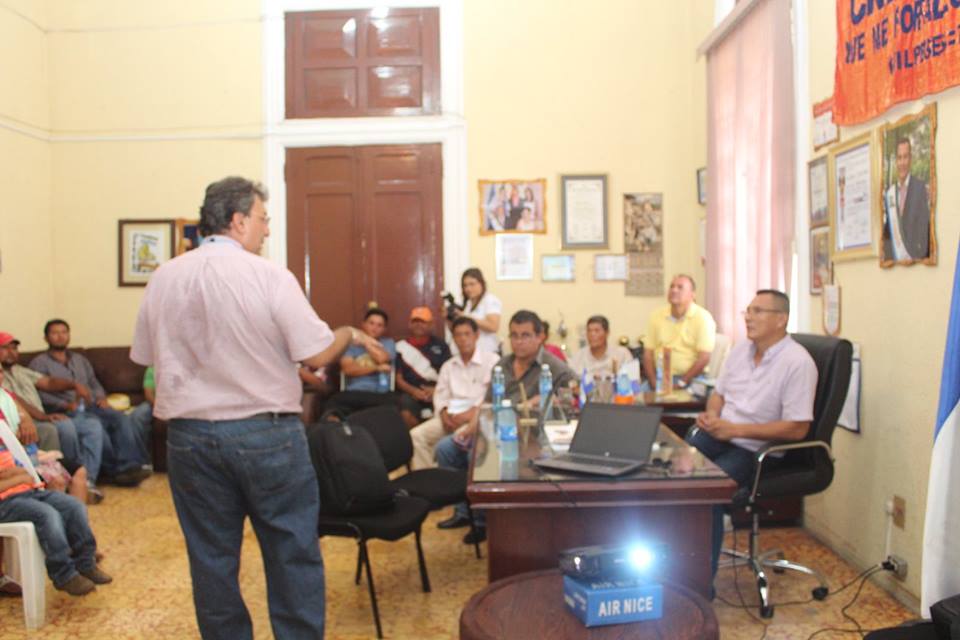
<point>364,224</point>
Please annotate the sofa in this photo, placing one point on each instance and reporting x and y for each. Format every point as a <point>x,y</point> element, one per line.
<point>118,374</point>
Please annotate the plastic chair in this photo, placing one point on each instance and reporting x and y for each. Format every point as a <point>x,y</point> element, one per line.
<point>23,562</point>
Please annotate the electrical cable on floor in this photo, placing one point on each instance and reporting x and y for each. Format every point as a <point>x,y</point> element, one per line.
<point>859,629</point>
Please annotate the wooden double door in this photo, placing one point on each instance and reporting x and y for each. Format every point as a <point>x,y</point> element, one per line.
<point>364,224</point>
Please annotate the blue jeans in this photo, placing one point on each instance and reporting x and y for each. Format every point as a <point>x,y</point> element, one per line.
<point>142,419</point>
<point>739,463</point>
<point>449,455</point>
<point>121,444</point>
<point>222,472</point>
<point>62,529</point>
<point>81,440</point>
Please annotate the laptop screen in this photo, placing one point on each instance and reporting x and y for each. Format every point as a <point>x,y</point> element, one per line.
<point>616,430</point>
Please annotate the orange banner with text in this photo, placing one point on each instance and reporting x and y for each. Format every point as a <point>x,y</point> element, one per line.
<point>889,51</point>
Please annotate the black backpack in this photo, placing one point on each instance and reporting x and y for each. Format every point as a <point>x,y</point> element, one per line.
<point>350,470</point>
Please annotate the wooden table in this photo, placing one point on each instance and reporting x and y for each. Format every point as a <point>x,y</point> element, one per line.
<point>532,515</point>
<point>530,605</point>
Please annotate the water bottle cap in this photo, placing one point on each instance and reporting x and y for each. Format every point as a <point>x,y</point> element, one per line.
<point>505,403</point>
<point>545,367</point>
<point>498,368</point>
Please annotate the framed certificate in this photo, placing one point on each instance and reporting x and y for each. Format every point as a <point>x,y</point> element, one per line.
<point>607,268</point>
<point>854,199</point>
<point>557,268</point>
<point>584,209</point>
<point>514,255</point>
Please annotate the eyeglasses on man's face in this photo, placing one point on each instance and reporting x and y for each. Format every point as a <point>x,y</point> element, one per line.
<point>755,311</point>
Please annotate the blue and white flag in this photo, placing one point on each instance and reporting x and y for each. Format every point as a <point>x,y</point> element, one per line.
<point>941,536</point>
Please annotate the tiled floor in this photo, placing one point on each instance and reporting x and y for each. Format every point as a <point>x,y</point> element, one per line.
<point>151,596</point>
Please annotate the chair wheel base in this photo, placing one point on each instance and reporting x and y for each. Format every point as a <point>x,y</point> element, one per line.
<point>766,612</point>
<point>820,593</point>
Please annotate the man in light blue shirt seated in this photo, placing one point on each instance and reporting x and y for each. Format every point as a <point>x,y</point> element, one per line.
<point>367,371</point>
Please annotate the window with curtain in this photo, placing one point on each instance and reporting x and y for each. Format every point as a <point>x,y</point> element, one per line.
<point>751,161</point>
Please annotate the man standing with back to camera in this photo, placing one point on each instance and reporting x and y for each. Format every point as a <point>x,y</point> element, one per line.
<point>223,328</point>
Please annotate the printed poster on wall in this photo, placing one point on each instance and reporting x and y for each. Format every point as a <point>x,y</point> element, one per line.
<point>643,243</point>
<point>891,52</point>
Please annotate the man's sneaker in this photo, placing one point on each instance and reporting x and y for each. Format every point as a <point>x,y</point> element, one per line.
<point>94,495</point>
<point>77,586</point>
<point>97,576</point>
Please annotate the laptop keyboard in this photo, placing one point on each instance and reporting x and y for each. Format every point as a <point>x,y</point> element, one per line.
<point>595,461</point>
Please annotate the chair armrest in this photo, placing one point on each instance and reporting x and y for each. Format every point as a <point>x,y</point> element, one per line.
<point>766,450</point>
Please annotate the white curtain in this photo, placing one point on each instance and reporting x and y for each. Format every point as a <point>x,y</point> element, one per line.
<point>750,161</point>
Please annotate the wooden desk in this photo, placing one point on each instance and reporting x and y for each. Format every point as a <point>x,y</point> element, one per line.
<point>530,605</point>
<point>532,515</point>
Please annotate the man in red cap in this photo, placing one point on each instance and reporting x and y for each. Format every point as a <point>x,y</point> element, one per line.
<point>419,359</point>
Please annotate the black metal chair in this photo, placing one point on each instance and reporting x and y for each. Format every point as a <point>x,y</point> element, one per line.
<point>404,517</point>
<point>440,487</point>
<point>806,467</point>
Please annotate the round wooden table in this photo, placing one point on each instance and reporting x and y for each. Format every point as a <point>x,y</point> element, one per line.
<point>530,605</point>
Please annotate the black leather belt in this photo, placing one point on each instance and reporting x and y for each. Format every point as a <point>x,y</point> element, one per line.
<point>269,415</point>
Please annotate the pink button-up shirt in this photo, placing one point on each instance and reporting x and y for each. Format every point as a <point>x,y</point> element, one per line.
<point>462,385</point>
<point>224,328</point>
<point>781,387</point>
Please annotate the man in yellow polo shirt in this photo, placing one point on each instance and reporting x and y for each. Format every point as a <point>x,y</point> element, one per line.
<point>686,328</point>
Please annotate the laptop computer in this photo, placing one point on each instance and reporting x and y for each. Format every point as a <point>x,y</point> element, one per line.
<point>610,440</point>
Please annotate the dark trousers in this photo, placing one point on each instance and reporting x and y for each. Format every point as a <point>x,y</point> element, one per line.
<point>740,464</point>
<point>346,402</point>
<point>223,472</point>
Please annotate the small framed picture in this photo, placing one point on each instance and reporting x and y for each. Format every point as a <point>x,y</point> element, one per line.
<point>819,259</point>
<point>819,192</point>
<point>187,235</point>
<point>557,268</point>
<point>142,247</point>
<point>514,256</point>
<point>854,198</point>
<point>610,267</point>
<point>702,185</point>
<point>513,206</point>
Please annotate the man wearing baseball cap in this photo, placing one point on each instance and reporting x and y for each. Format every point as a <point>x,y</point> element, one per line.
<point>79,439</point>
<point>419,359</point>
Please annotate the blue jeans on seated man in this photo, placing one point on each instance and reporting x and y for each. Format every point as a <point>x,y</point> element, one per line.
<point>223,472</point>
<point>121,444</point>
<point>142,419</point>
<point>739,463</point>
<point>81,440</point>
<point>450,455</point>
<point>62,529</point>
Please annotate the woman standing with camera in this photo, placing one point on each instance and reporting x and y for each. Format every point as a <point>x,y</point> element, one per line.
<point>482,306</point>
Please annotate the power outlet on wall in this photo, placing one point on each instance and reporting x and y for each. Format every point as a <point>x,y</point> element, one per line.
<point>899,512</point>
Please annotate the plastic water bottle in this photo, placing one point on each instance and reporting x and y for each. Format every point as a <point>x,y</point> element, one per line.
<point>81,406</point>
<point>497,387</point>
<point>383,382</point>
<point>624,390</point>
<point>32,453</point>
<point>546,385</point>
<point>507,422</point>
<point>659,388</point>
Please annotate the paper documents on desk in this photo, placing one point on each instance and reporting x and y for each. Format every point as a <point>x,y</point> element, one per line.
<point>560,435</point>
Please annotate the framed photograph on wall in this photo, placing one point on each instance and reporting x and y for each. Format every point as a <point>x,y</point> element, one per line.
<point>187,236</point>
<point>909,190</point>
<point>854,198</point>
<point>142,247</point>
<point>513,206</point>
<point>818,185</point>
<point>558,268</point>
<point>702,185</point>
<point>820,273</point>
<point>583,201</point>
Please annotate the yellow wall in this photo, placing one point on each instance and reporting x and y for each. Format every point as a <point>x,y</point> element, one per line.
<point>26,280</point>
<point>899,317</point>
<point>133,84</point>
<point>569,88</point>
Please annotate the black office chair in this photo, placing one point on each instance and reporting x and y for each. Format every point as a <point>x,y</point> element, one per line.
<point>440,487</point>
<point>806,467</point>
<point>404,517</point>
